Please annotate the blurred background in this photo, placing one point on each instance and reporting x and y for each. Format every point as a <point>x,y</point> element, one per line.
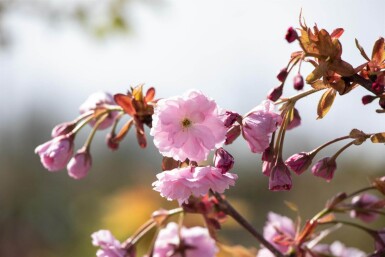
<point>54,54</point>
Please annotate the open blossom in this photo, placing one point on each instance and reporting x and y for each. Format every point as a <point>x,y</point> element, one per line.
<point>98,100</point>
<point>188,126</point>
<point>56,153</point>
<point>258,125</point>
<point>338,249</point>
<point>194,242</point>
<point>109,245</point>
<point>179,184</point>
<point>279,231</point>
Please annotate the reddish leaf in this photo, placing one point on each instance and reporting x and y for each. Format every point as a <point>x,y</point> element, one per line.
<point>150,94</point>
<point>125,102</point>
<point>123,131</point>
<point>169,163</point>
<point>337,33</point>
<point>326,102</point>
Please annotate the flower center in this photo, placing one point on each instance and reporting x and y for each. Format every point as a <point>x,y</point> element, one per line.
<point>186,123</point>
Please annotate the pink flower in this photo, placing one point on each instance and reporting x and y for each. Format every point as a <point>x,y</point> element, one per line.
<point>80,164</point>
<point>187,127</point>
<point>325,168</point>
<point>275,93</point>
<point>298,82</point>
<point>194,242</point>
<point>109,246</point>
<point>279,231</point>
<point>362,202</point>
<point>291,35</point>
<point>380,241</point>
<point>55,154</point>
<point>299,162</point>
<point>179,184</point>
<point>267,161</point>
<point>338,249</point>
<point>223,160</point>
<point>280,178</point>
<point>99,100</point>
<point>258,125</point>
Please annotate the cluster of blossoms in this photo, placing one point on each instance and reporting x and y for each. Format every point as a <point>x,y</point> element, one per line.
<point>187,129</point>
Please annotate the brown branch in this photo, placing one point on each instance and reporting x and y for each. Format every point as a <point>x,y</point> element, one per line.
<point>366,83</point>
<point>228,209</point>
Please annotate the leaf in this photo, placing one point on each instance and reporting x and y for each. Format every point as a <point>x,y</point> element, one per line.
<point>337,32</point>
<point>362,51</point>
<point>169,163</point>
<point>150,94</point>
<point>378,138</point>
<point>292,206</point>
<point>125,102</point>
<point>319,84</point>
<point>341,67</point>
<point>317,73</point>
<point>378,54</point>
<point>326,103</point>
<point>123,131</point>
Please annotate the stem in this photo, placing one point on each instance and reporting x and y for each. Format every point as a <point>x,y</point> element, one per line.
<point>299,96</point>
<point>365,83</point>
<point>315,151</point>
<point>320,215</point>
<point>348,223</point>
<point>341,150</point>
<point>360,191</point>
<point>228,209</point>
<point>87,144</point>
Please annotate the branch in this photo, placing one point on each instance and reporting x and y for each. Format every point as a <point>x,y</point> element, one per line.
<point>367,84</point>
<point>228,209</point>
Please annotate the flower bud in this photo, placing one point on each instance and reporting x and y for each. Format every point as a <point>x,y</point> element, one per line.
<point>80,164</point>
<point>299,162</point>
<point>267,161</point>
<point>223,160</point>
<point>366,99</point>
<point>291,35</point>
<point>298,82</point>
<point>55,154</point>
<point>295,122</point>
<point>380,240</point>
<point>232,134</point>
<point>231,118</point>
<point>378,88</point>
<point>362,202</point>
<point>281,76</point>
<point>63,129</point>
<point>275,93</point>
<point>280,178</point>
<point>111,143</point>
<point>325,168</point>
<point>96,101</point>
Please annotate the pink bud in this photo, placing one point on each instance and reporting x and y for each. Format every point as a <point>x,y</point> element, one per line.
<point>280,178</point>
<point>362,202</point>
<point>378,88</point>
<point>80,164</point>
<point>111,143</point>
<point>291,35</point>
<point>232,134</point>
<point>231,118</point>
<point>282,75</point>
<point>267,161</point>
<point>99,100</point>
<point>275,93</point>
<point>295,122</point>
<point>63,129</point>
<point>367,99</point>
<point>55,154</point>
<point>325,168</point>
<point>298,82</point>
<point>299,162</point>
<point>223,160</point>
